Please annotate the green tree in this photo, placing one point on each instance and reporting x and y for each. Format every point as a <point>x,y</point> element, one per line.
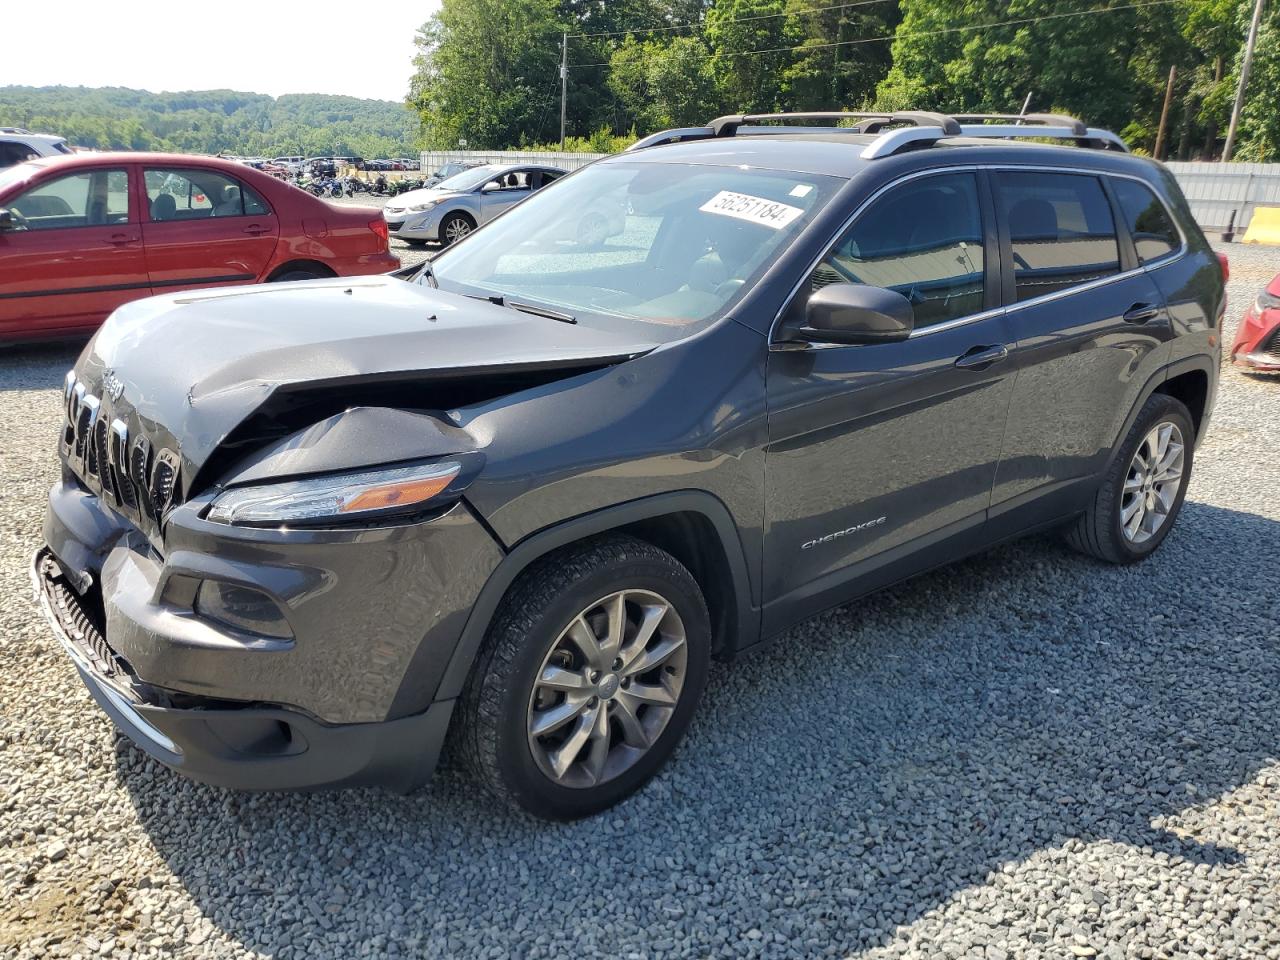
<point>836,66</point>
<point>487,71</point>
<point>663,83</point>
<point>738,31</point>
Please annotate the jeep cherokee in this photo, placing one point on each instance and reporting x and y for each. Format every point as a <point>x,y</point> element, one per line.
<point>306,532</point>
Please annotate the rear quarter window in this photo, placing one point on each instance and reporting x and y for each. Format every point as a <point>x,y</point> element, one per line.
<point>1154,234</point>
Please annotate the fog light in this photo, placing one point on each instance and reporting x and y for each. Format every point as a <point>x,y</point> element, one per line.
<point>241,608</point>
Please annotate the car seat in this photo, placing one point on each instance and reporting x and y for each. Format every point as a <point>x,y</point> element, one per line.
<point>230,205</point>
<point>164,207</point>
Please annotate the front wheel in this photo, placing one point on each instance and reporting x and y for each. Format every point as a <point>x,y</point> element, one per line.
<point>590,676</point>
<point>1142,493</point>
<point>455,227</point>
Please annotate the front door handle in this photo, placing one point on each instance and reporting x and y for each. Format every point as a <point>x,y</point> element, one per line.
<point>1141,313</point>
<point>979,358</point>
<point>120,239</point>
<point>256,229</point>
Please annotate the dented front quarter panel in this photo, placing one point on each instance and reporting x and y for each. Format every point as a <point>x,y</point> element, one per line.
<point>633,430</point>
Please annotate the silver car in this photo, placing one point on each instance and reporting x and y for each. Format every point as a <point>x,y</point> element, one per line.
<point>455,206</point>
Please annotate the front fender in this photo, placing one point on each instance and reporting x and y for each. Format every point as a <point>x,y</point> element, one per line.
<point>412,696</point>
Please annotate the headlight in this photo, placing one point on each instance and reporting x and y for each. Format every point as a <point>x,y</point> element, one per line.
<point>425,205</point>
<point>338,496</point>
<point>1267,301</point>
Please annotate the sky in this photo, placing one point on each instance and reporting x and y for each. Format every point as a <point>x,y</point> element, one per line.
<point>268,46</point>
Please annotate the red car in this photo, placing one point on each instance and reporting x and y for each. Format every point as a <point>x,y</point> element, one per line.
<point>1257,343</point>
<point>80,235</point>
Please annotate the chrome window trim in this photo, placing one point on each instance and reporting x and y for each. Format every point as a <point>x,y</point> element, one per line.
<point>994,311</point>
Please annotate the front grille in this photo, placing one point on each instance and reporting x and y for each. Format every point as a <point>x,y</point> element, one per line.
<point>81,618</point>
<point>1271,344</point>
<point>114,461</point>
<point>394,224</point>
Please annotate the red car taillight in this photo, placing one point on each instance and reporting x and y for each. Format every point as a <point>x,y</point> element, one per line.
<point>379,226</point>
<point>1226,267</point>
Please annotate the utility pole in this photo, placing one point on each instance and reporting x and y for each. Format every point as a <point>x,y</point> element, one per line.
<point>565,81</point>
<point>1164,114</point>
<point>1244,80</point>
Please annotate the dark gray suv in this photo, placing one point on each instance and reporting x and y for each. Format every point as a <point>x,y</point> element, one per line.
<point>306,534</point>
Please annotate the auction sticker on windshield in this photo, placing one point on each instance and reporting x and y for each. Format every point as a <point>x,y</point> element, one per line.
<point>743,206</point>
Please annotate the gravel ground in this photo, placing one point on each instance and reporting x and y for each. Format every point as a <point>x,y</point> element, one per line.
<point>1025,755</point>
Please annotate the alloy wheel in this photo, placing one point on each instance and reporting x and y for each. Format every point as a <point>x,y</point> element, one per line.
<point>607,688</point>
<point>1151,485</point>
<point>456,229</point>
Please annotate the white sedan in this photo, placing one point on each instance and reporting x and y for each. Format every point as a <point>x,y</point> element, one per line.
<point>454,207</point>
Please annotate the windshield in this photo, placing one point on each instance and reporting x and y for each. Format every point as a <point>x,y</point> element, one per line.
<point>661,243</point>
<point>468,179</point>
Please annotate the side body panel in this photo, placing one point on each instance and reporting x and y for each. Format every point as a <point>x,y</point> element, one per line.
<point>58,281</point>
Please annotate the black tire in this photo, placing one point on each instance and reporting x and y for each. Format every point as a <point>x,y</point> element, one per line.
<point>455,222</point>
<point>1098,531</point>
<point>291,275</point>
<point>492,738</point>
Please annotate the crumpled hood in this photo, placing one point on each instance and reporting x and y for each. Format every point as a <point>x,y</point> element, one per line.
<point>192,366</point>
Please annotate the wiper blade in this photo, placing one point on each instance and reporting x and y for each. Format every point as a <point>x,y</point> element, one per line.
<point>542,312</point>
<point>500,301</point>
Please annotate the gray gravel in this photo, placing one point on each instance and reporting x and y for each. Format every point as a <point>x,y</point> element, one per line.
<point>1025,755</point>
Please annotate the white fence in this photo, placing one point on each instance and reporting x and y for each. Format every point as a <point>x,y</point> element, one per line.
<point>1217,190</point>
<point>433,159</point>
<point>1214,190</point>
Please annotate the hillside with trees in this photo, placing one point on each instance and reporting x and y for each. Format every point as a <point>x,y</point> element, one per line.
<point>487,71</point>
<point>213,121</point>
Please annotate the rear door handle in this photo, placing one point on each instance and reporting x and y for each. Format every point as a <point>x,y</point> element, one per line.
<point>256,229</point>
<point>1141,313</point>
<point>979,358</point>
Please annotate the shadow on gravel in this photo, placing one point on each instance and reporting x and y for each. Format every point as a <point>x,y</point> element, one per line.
<point>861,772</point>
<point>37,366</point>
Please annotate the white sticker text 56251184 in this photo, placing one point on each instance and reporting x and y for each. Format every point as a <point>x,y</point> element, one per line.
<point>769,213</point>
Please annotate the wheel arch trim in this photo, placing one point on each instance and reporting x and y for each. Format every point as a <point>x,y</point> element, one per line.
<point>539,544</point>
<point>1201,363</point>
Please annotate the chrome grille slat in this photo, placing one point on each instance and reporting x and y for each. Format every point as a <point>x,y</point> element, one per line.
<point>127,472</point>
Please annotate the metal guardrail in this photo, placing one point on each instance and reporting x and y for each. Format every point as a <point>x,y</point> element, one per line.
<point>434,159</point>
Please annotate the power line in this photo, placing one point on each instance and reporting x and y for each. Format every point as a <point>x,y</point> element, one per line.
<point>702,23</point>
<point>907,36</point>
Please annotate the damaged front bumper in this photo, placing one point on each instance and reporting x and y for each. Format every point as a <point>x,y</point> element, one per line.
<point>330,706</point>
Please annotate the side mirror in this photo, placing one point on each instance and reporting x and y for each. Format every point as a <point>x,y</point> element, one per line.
<point>491,186</point>
<point>855,313</point>
<point>6,220</point>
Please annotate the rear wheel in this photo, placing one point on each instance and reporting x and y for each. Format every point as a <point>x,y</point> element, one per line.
<point>1142,494</point>
<point>304,274</point>
<point>590,676</point>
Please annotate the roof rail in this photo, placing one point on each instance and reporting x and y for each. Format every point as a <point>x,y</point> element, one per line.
<point>1044,119</point>
<point>905,129</point>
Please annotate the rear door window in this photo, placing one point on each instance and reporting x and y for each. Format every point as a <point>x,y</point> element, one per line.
<point>1153,232</point>
<point>199,195</point>
<point>1061,232</point>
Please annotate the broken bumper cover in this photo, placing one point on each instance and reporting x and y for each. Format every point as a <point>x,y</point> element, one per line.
<point>347,699</point>
<point>240,746</point>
